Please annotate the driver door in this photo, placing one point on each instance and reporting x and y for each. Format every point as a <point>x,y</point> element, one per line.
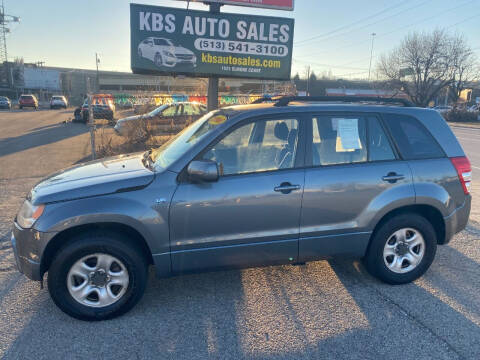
<point>251,215</point>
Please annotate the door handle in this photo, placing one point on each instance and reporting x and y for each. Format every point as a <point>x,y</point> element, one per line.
<point>393,177</point>
<point>286,188</point>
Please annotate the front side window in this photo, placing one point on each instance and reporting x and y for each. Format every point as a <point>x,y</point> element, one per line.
<point>339,140</point>
<point>191,109</point>
<point>254,147</point>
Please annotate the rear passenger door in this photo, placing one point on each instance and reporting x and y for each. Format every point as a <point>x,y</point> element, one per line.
<point>354,175</point>
<point>432,170</point>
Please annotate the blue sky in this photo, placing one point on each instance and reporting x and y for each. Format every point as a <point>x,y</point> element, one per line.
<point>68,33</point>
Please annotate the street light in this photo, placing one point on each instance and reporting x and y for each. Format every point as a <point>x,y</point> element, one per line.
<point>371,56</point>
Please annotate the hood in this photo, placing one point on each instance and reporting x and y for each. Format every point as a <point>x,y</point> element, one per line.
<point>106,176</point>
<point>180,50</point>
<point>131,118</point>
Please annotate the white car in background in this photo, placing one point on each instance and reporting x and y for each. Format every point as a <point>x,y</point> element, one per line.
<point>58,101</point>
<point>443,108</point>
<point>164,53</point>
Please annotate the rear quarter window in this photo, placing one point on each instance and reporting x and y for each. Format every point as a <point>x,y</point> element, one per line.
<point>414,141</point>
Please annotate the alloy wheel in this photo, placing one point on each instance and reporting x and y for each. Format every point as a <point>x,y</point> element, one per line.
<point>404,250</point>
<point>98,280</point>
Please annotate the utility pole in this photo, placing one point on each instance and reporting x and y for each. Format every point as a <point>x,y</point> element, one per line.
<point>97,60</point>
<point>371,56</point>
<point>308,80</point>
<point>6,77</point>
<point>212,95</point>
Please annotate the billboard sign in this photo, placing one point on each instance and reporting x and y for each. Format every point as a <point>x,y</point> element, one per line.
<point>270,4</point>
<point>172,41</point>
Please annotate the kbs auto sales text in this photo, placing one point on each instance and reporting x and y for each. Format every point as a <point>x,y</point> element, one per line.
<point>213,27</point>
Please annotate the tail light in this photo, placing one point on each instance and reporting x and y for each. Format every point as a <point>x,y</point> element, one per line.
<point>464,171</point>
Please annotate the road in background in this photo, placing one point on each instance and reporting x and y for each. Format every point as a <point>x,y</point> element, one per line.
<point>324,309</point>
<point>470,140</point>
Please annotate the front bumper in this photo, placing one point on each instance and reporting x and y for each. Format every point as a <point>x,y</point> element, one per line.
<point>28,246</point>
<point>457,221</point>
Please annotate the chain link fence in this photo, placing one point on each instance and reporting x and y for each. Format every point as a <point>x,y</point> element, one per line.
<point>124,123</point>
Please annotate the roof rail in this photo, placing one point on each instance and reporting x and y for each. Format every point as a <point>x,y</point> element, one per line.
<point>265,99</point>
<point>284,101</point>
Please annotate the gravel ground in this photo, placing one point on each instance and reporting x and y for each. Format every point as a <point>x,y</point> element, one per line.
<point>325,309</point>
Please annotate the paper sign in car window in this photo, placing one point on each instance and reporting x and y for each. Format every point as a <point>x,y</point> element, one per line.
<point>335,124</point>
<point>217,120</point>
<point>348,133</point>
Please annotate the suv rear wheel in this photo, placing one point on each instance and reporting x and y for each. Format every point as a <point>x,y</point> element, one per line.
<point>402,249</point>
<point>97,276</point>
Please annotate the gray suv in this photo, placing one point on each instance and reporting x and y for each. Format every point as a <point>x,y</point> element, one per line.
<point>284,182</point>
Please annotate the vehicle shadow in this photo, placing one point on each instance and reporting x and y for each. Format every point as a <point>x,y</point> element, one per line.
<point>331,310</point>
<point>41,136</point>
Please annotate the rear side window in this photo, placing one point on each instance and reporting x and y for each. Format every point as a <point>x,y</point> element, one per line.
<point>413,140</point>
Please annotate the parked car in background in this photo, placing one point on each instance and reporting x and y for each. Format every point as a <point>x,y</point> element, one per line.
<point>179,113</point>
<point>253,185</point>
<point>58,101</point>
<point>28,101</point>
<point>5,103</point>
<point>443,108</point>
<point>103,107</point>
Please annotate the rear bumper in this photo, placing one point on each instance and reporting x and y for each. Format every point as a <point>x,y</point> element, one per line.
<point>457,221</point>
<point>28,246</point>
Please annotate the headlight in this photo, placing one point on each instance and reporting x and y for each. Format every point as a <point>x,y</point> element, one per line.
<point>28,214</point>
<point>168,53</point>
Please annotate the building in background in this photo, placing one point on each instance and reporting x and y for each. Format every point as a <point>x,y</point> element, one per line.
<point>45,81</point>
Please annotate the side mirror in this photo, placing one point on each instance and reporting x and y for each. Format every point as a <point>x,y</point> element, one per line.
<point>203,171</point>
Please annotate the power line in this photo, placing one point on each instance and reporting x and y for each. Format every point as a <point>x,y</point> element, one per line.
<point>353,23</point>
<point>373,23</point>
<point>328,65</point>
<point>398,29</point>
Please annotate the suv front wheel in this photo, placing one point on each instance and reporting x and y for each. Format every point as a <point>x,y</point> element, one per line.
<point>402,249</point>
<point>97,276</point>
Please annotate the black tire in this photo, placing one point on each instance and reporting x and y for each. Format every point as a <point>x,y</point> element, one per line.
<point>113,244</point>
<point>374,260</point>
<point>158,60</point>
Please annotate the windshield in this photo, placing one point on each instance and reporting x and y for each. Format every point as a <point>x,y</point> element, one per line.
<point>173,149</point>
<point>157,110</point>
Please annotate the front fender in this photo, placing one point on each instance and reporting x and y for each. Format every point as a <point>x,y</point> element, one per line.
<point>151,223</point>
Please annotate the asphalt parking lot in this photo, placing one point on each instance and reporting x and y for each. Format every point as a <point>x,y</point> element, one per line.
<point>326,309</point>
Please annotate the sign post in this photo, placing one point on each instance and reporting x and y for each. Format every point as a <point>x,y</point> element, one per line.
<point>212,94</point>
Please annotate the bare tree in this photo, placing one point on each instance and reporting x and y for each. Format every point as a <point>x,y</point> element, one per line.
<point>465,67</point>
<point>424,64</point>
